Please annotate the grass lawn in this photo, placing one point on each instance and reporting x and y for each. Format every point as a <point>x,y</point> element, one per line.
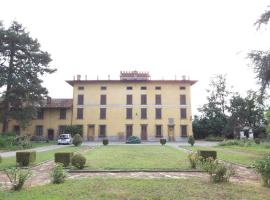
<point>121,188</point>
<point>241,155</point>
<point>41,156</point>
<point>34,145</point>
<point>136,157</point>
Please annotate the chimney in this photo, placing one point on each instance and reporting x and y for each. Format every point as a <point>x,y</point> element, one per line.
<point>86,77</point>
<point>49,100</point>
<point>184,77</point>
<point>108,77</point>
<point>78,77</point>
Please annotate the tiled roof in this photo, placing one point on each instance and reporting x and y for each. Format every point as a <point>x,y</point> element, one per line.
<point>57,103</point>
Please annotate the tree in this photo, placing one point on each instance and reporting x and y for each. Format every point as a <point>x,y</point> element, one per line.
<point>22,63</point>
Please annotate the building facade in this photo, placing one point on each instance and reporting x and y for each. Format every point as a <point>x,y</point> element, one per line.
<point>117,109</point>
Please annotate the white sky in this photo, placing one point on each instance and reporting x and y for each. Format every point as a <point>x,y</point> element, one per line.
<point>167,38</point>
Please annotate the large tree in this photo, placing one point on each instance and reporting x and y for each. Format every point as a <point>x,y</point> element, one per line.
<point>22,63</point>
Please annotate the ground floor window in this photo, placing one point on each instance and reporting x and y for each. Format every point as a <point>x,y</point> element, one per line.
<point>39,130</point>
<point>183,130</point>
<point>61,129</point>
<point>158,130</point>
<point>17,129</point>
<point>102,131</point>
<point>129,130</point>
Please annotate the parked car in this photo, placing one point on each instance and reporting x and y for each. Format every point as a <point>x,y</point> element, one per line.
<point>64,139</point>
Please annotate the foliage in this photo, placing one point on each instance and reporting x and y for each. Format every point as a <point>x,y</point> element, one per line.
<point>219,172</point>
<point>162,141</point>
<point>73,130</point>
<point>257,140</point>
<point>39,138</point>
<point>58,174</point>
<point>24,158</point>
<point>77,140</point>
<point>205,154</point>
<point>191,140</point>
<point>133,140</point>
<point>63,157</point>
<point>0,159</point>
<point>214,138</point>
<point>193,159</point>
<point>105,141</point>
<point>23,141</point>
<point>262,167</point>
<point>17,177</point>
<point>22,63</point>
<point>78,161</point>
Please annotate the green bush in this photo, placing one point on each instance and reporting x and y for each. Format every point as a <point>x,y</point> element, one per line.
<point>133,140</point>
<point>22,141</point>
<point>214,138</point>
<point>77,140</point>
<point>105,141</point>
<point>193,159</point>
<point>73,130</point>
<point>24,158</point>
<point>191,140</point>
<point>58,174</point>
<point>78,161</point>
<point>63,157</point>
<point>17,177</point>
<point>0,159</point>
<point>257,140</point>
<point>262,167</point>
<point>204,154</point>
<point>163,141</point>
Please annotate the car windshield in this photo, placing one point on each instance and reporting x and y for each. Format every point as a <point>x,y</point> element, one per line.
<point>63,137</point>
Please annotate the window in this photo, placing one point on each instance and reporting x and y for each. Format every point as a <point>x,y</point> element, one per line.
<point>63,113</point>
<point>103,88</point>
<point>158,99</point>
<point>158,130</point>
<point>183,99</point>
<point>183,113</point>
<point>102,131</point>
<point>143,88</point>
<point>183,130</point>
<point>40,113</point>
<point>129,130</point>
<point>61,129</point>
<point>158,88</point>
<point>102,114</point>
<point>103,99</point>
<point>158,113</point>
<point>39,130</point>
<point>79,113</point>
<point>17,129</point>
<point>129,88</point>
<point>129,99</point>
<point>143,99</point>
<point>80,99</point>
<point>129,113</point>
<point>80,88</point>
<point>143,113</point>
<point>182,88</point>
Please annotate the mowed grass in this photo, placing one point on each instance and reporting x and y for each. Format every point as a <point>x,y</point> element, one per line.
<point>34,145</point>
<point>136,157</point>
<point>236,154</point>
<point>41,156</point>
<point>123,188</point>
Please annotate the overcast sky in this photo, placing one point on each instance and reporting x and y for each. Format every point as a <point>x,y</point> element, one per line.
<point>167,38</point>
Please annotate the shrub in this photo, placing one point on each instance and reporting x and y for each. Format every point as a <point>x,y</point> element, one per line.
<point>38,138</point>
<point>193,159</point>
<point>214,138</point>
<point>17,177</point>
<point>58,174</point>
<point>105,141</point>
<point>77,140</point>
<point>133,140</point>
<point>163,141</point>
<point>262,167</point>
<point>191,140</point>
<point>0,159</point>
<point>23,141</point>
<point>73,130</point>
<point>219,172</point>
<point>63,157</point>
<point>257,140</point>
<point>78,161</point>
<point>24,158</point>
<point>207,154</point>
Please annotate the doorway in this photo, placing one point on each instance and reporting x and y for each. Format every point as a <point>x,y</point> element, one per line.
<point>143,132</point>
<point>129,130</point>
<point>91,133</point>
<point>50,134</point>
<point>171,133</point>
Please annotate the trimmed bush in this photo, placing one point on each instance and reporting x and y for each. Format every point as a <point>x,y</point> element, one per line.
<point>63,157</point>
<point>262,167</point>
<point>133,140</point>
<point>77,140</point>
<point>24,158</point>
<point>257,140</point>
<point>78,161</point>
<point>191,140</point>
<point>214,138</point>
<point>207,154</point>
<point>73,130</point>
<point>163,141</point>
<point>58,174</point>
<point>105,141</point>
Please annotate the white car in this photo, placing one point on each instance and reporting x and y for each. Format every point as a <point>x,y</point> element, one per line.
<point>64,139</point>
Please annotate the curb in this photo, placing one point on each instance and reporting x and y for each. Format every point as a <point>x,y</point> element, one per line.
<point>128,171</point>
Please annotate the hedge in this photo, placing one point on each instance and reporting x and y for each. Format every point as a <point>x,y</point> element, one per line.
<point>207,154</point>
<point>24,158</point>
<point>63,157</point>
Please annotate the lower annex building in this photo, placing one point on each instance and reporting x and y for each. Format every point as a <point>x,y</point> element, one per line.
<point>117,109</point>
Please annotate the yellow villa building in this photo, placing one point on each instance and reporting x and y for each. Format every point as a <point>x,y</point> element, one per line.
<point>116,109</point>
